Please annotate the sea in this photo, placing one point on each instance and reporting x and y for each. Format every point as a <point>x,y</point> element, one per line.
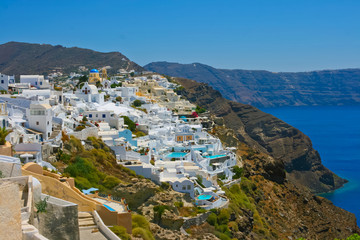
<point>335,134</point>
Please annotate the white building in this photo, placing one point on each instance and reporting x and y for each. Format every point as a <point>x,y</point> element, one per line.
<point>5,80</point>
<point>90,93</point>
<point>37,81</point>
<point>40,119</point>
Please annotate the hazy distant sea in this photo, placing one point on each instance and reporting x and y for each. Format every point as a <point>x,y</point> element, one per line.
<point>335,134</point>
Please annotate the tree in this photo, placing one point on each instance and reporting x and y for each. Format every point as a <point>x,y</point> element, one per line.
<point>118,99</point>
<point>98,84</point>
<point>137,103</point>
<point>3,133</point>
<point>82,79</point>
<point>131,125</point>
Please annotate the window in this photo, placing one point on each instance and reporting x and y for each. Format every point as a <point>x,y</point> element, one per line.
<point>97,115</point>
<point>37,112</point>
<point>183,187</point>
<point>2,81</point>
<point>37,123</point>
<point>104,115</point>
<point>188,187</point>
<point>48,123</point>
<point>40,83</point>
<point>48,134</point>
<point>90,115</point>
<point>35,83</point>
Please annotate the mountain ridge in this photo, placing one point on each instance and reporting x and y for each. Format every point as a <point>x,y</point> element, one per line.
<point>32,58</point>
<point>263,88</point>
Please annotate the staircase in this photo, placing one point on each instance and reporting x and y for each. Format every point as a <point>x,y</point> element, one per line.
<point>87,227</point>
<point>55,132</point>
<point>86,221</point>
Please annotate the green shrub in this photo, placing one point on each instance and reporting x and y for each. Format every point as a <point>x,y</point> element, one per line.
<point>199,110</point>
<point>237,172</point>
<point>179,204</point>
<point>354,237</point>
<point>120,231</point>
<point>139,221</point>
<point>111,182</point>
<point>223,217</point>
<point>82,183</point>
<point>212,219</point>
<point>137,103</point>
<point>165,185</point>
<point>131,125</point>
<point>143,233</point>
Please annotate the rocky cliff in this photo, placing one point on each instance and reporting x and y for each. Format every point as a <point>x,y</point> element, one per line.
<point>268,134</point>
<point>25,58</point>
<point>269,89</point>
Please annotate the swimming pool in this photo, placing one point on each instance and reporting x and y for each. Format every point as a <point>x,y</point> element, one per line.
<point>176,155</point>
<point>204,197</point>
<point>215,156</point>
<point>110,208</point>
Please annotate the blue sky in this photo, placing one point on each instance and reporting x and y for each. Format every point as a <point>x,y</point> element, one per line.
<point>274,35</point>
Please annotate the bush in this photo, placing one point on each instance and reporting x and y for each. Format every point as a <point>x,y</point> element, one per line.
<point>118,99</point>
<point>137,103</point>
<point>212,219</point>
<point>139,221</point>
<point>79,128</point>
<point>111,182</point>
<point>130,123</point>
<point>160,209</point>
<point>179,204</point>
<point>120,231</point>
<point>223,217</point>
<point>165,185</point>
<point>237,171</point>
<point>143,233</point>
<point>199,110</point>
<point>353,237</point>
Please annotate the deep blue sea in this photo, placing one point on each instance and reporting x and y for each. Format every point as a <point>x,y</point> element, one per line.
<point>335,134</point>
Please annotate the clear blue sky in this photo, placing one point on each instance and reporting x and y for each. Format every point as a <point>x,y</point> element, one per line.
<point>288,35</point>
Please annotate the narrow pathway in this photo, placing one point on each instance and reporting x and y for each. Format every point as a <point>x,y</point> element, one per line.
<point>87,227</point>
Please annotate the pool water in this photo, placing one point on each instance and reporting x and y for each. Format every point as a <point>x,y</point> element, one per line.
<point>215,156</point>
<point>177,155</point>
<point>204,197</point>
<point>110,208</point>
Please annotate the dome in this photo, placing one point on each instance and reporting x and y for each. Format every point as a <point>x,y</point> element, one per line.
<point>94,70</point>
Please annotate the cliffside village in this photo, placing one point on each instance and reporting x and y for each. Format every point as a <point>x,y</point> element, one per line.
<point>170,143</point>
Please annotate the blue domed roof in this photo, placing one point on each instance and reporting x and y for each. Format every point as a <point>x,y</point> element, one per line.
<point>94,70</point>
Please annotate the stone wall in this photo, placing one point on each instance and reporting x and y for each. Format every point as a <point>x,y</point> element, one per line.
<point>85,133</point>
<point>60,221</point>
<point>196,220</point>
<point>10,208</point>
<point>9,169</point>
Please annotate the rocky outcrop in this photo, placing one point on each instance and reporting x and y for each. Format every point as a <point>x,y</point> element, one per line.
<point>282,209</point>
<point>268,134</point>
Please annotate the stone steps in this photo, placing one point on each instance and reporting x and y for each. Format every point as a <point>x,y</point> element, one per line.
<point>86,221</point>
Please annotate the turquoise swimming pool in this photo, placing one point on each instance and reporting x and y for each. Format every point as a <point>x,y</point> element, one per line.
<point>215,156</point>
<point>110,208</point>
<point>204,197</point>
<point>176,155</point>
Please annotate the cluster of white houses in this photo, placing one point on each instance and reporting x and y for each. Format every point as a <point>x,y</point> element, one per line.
<point>167,142</point>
